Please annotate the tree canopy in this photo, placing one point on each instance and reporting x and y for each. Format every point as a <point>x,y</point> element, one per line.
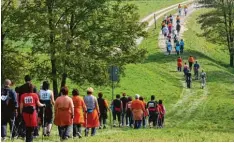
<point>76,39</point>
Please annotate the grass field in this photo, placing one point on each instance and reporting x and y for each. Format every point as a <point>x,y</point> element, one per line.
<point>192,114</point>
<point>148,6</point>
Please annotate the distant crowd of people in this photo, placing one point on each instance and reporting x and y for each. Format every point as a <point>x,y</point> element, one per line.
<point>193,65</point>
<point>26,110</point>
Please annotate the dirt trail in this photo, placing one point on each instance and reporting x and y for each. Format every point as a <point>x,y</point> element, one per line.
<point>189,98</point>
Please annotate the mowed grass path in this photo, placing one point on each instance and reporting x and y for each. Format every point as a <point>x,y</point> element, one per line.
<point>146,7</point>
<point>194,117</point>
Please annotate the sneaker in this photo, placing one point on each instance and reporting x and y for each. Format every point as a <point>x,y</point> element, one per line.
<point>3,139</point>
<point>100,127</point>
<point>79,135</point>
<point>114,125</point>
<point>104,127</point>
<point>127,125</point>
<point>35,136</point>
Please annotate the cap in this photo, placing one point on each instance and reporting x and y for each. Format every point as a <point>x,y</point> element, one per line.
<point>90,89</point>
<point>137,96</point>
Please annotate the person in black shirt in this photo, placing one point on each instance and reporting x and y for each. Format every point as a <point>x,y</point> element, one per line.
<point>188,79</point>
<point>124,100</point>
<point>117,109</point>
<point>9,106</point>
<point>152,108</point>
<point>103,107</point>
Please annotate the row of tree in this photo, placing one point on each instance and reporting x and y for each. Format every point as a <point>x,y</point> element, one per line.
<point>219,23</point>
<point>75,39</point>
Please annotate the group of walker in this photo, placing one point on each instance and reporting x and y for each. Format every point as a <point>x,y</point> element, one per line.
<point>193,65</point>
<point>27,110</point>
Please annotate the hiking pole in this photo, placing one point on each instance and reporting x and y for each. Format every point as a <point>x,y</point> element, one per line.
<point>157,121</point>
<point>12,128</point>
<point>43,122</point>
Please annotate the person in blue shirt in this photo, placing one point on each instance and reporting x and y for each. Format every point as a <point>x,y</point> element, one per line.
<point>169,47</point>
<point>177,48</point>
<point>196,67</point>
<point>181,46</point>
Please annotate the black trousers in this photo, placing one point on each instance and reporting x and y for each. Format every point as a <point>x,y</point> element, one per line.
<point>29,134</point>
<point>118,115</point>
<point>4,120</point>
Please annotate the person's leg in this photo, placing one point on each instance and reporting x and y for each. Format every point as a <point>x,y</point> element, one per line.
<point>119,118</point>
<point>93,131</point>
<point>135,124</point>
<point>3,127</point>
<point>100,120</point>
<point>29,134</point>
<point>114,118</point>
<point>86,131</point>
<point>144,122</point>
<point>75,130</point>
<point>49,122</point>
<point>122,118</point>
<point>79,130</point>
<point>104,122</point>
<point>67,131</point>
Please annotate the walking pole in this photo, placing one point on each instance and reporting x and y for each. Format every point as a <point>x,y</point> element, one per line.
<point>43,122</point>
<point>72,130</point>
<point>12,128</point>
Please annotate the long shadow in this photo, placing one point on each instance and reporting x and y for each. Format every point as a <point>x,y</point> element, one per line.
<point>159,57</point>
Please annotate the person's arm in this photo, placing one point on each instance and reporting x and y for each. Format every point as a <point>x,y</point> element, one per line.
<point>97,107</point>
<point>21,108</point>
<point>121,106</point>
<point>52,98</point>
<point>15,100</point>
<point>39,104</point>
<point>84,106</point>
<point>72,108</point>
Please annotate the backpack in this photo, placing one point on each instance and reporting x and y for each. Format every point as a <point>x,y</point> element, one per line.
<point>5,97</point>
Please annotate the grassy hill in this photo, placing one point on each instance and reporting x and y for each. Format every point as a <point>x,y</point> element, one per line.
<point>192,114</point>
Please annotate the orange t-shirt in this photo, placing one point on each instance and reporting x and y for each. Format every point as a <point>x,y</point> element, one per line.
<point>79,105</point>
<point>63,111</point>
<point>137,104</point>
<point>191,59</point>
<point>179,62</point>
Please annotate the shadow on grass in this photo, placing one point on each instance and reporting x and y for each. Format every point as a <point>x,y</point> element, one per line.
<point>159,57</point>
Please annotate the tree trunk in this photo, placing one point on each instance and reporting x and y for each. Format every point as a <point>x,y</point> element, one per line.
<point>52,51</point>
<point>54,78</point>
<point>63,82</point>
<point>232,60</point>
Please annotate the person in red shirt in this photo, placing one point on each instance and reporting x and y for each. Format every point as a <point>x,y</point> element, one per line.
<point>161,112</point>
<point>28,103</point>
<point>179,64</point>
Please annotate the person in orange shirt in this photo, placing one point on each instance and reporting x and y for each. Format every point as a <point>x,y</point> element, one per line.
<point>179,64</point>
<point>191,61</point>
<point>92,114</point>
<point>64,113</point>
<point>103,107</point>
<point>138,110</point>
<point>79,109</point>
